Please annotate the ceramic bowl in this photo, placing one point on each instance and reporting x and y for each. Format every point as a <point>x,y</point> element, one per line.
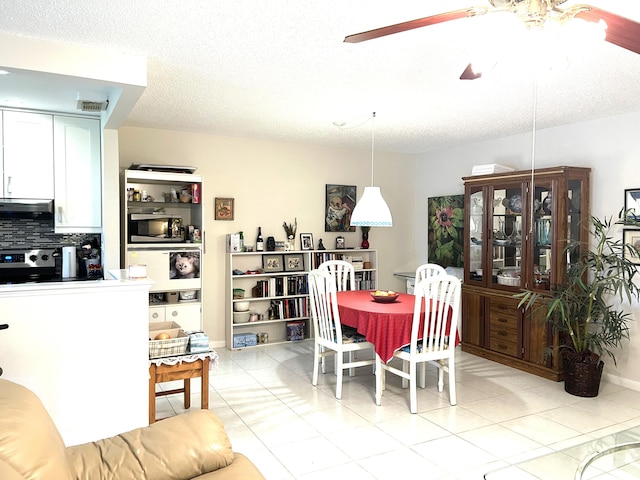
<point>241,306</point>
<point>383,296</point>
<point>241,317</point>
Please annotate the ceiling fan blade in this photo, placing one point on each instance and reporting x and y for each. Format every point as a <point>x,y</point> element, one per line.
<point>620,30</point>
<point>413,24</point>
<point>470,74</point>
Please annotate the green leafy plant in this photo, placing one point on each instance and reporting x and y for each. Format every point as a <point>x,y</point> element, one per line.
<point>587,305</point>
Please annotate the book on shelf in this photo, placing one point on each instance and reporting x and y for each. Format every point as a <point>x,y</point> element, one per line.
<point>356,260</point>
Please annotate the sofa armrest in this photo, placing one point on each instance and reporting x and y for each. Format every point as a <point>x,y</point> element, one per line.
<point>178,448</point>
<point>241,468</point>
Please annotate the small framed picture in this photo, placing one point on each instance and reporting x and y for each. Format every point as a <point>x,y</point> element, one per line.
<point>293,262</point>
<point>632,203</point>
<point>306,240</point>
<point>272,263</point>
<point>631,237</point>
<point>223,208</point>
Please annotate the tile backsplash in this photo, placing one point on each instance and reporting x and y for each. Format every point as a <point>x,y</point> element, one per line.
<point>36,233</point>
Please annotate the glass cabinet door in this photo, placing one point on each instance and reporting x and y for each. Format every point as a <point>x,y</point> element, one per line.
<point>506,236</point>
<point>577,219</point>
<point>543,236</point>
<point>476,226</point>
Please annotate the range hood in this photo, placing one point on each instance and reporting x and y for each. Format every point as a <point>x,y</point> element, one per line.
<point>26,208</point>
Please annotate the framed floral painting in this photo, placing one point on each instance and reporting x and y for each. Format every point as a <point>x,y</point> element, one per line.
<point>445,229</point>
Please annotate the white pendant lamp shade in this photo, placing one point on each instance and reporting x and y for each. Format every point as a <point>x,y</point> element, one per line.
<point>371,210</point>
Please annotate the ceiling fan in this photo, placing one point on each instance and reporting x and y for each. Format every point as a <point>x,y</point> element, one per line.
<point>620,31</point>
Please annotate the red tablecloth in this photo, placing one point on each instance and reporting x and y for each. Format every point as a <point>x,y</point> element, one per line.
<point>386,325</point>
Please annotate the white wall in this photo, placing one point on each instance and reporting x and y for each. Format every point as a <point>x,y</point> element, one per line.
<point>608,146</point>
<point>274,183</point>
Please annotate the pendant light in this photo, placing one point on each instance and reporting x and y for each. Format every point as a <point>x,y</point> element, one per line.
<point>371,210</point>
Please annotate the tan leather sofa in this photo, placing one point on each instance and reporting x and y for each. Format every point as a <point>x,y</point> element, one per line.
<point>189,446</point>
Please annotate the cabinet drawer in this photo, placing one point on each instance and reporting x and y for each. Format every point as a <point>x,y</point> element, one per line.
<point>187,316</point>
<point>504,345</point>
<point>156,314</point>
<point>501,318</point>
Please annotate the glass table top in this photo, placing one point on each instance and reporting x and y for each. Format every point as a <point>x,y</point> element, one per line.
<point>614,456</point>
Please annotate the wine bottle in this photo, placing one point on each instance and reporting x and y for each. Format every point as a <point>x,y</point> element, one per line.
<point>259,241</point>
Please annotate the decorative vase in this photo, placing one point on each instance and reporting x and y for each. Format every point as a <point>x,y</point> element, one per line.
<point>365,240</point>
<point>290,243</point>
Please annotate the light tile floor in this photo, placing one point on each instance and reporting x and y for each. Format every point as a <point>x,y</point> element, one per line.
<point>293,430</point>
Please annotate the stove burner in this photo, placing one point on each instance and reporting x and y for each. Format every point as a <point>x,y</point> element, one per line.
<point>29,265</point>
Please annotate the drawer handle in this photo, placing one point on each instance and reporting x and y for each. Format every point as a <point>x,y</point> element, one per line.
<point>154,315</point>
<point>503,320</point>
<point>503,347</point>
<point>502,333</point>
<point>174,313</point>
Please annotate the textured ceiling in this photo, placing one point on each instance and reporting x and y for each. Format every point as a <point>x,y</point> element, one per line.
<point>280,70</point>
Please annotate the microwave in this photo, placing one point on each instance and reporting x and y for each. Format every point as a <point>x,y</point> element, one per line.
<point>155,228</point>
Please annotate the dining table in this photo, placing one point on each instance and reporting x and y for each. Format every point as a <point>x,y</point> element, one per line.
<point>386,325</point>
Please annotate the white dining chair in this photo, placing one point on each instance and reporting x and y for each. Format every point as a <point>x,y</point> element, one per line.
<point>344,277</point>
<point>342,272</point>
<point>426,270</point>
<point>440,296</point>
<point>328,335</point>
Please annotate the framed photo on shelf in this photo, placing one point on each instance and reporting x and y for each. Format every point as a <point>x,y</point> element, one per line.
<point>631,237</point>
<point>293,262</point>
<point>306,241</point>
<point>223,208</point>
<point>632,202</point>
<point>272,263</point>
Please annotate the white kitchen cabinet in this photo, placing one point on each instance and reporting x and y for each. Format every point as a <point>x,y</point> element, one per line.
<point>78,185</point>
<point>27,155</point>
<point>187,316</point>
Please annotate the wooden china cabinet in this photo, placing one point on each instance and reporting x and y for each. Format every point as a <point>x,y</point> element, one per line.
<point>517,225</point>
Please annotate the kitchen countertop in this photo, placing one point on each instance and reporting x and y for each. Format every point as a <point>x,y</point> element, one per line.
<point>118,280</point>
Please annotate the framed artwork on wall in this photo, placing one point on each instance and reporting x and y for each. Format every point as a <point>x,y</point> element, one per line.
<point>632,202</point>
<point>445,230</point>
<point>223,208</point>
<point>631,237</point>
<point>340,200</point>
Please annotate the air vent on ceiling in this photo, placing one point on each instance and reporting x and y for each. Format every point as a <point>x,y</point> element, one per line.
<point>87,106</point>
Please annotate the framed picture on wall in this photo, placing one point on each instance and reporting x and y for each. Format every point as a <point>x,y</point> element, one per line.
<point>445,230</point>
<point>632,202</point>
<point>223,208</point>
<point>631,237</point>
<point>340,200</point>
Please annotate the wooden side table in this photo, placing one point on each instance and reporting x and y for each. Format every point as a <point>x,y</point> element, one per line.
<point>182,370</point>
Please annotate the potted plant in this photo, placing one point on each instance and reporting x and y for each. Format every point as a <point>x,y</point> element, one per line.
<point>586,307</point>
